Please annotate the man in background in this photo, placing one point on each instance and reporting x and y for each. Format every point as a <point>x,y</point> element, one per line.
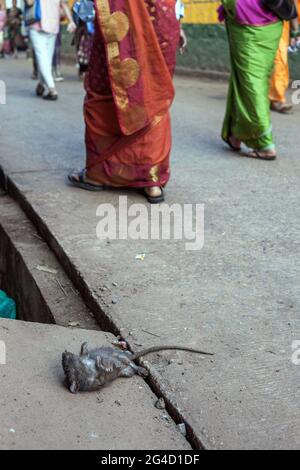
<point>180,15</point>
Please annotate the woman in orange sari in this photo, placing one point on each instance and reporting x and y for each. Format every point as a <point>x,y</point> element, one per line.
<point>129,91</point>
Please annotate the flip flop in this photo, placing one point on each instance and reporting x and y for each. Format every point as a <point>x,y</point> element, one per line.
<point>154,199</point>
<point>256,154</point>
<point>232,147</point>
<point>82,184</point>
<point>282,108</point>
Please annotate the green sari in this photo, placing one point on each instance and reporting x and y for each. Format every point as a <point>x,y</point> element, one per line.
<point>253,50</point>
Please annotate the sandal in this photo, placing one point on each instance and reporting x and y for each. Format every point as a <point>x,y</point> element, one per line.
<point>40,89</point>
<point>281,108</point>
<point>257,154</point>
<point>154,199</point>
<point>232,147</point>
<point>78,180</point>
<point>51,97</point>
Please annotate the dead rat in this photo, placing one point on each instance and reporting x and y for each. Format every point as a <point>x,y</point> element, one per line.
<point>94,368</point>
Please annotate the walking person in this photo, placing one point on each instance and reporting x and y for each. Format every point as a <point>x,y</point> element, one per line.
<point>83,41</point>
<point>281,77</point>
<point>254,33</point>
<point>14,23</point>
<point>2,26</point>
<point>84,17</point>
<point>43,33</point>
<point>56,62</point>
<point>129,91</point>
<point>180,12</point>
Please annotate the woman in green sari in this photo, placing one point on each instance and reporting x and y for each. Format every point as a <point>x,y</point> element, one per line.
<point>254,34</point>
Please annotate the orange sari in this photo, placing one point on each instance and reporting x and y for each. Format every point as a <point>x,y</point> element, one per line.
<point>281,75</point>
<point>129,91</point>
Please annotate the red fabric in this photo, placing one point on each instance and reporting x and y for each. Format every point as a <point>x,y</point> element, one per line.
<point>129,144</point>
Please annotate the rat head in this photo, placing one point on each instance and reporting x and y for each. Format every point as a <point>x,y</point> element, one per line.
<point>71,365</point>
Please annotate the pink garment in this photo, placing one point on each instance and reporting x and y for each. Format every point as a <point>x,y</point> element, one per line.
<point>50,17</point>
<point>251,12</point>
<point>2,19</point>
<point>36,26</point>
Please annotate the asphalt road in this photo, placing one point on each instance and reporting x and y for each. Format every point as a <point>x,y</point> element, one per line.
<point>238,296</point>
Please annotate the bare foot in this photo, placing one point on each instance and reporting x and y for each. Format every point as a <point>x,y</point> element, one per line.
<point>155,195</point>
<point>78,176</point>
<point>153,192</point>
<point>282,108</point>
<point>236,143</point>
<point>80,180</point>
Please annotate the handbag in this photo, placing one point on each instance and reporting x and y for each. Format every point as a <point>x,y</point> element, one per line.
<point>284,9</point>
<point>33,13</point>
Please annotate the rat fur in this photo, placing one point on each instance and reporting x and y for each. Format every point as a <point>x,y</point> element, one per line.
<point>94,368</point>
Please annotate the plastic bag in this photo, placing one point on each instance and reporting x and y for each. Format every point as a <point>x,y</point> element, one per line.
<point>84,10</point>
<point>7,307</point>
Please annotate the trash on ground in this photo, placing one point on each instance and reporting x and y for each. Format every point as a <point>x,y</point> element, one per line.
<point>46,269</point>
<point>7,307</point>
<point>140,256</point>
<point>182,428</point>
<point>160,404</point>
<point>73,323</point>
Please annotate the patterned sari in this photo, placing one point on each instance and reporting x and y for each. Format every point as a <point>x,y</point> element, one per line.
<point>129,91</point>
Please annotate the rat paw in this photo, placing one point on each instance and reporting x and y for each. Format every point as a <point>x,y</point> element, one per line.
<point>142,372</point>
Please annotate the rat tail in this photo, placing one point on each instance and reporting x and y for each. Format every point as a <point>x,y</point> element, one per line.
<point>154,349</point>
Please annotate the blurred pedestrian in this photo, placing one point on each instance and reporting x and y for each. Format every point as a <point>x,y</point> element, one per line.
<point>35,70</point>
<point>180,12</point>
<point>84,16</point>
<point>2,26</point>
<point>254,33</point>
<point>14,24</point>
<point>44,27</point>
<point>83,41</point>
<point>281,77</point>
<point>56,63</point>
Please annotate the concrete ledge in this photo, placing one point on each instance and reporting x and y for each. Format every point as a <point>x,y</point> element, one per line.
<point>38,412</point>
<point>105,319</point>
<point>32,275</point>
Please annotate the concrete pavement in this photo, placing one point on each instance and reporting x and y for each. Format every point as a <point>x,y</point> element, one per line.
<point>237,297</point>
<point>38,412</point>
